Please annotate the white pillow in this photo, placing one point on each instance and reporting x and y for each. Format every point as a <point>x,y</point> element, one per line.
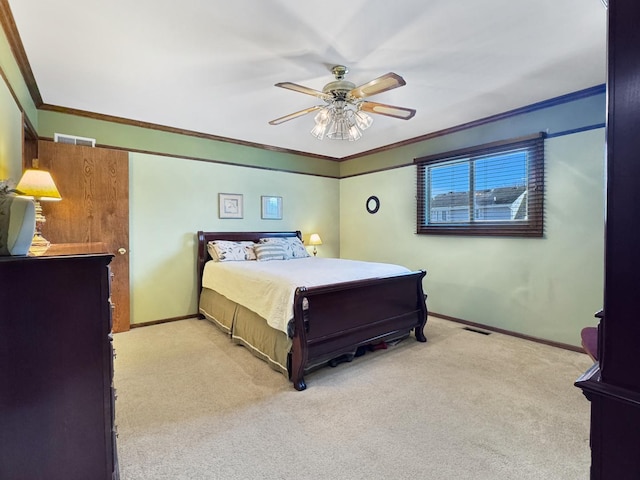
<point>297,247</point>
<point>229,251</point>
<point>212,252</point>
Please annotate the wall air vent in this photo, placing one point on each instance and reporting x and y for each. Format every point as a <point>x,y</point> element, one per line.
<point>73,140</point>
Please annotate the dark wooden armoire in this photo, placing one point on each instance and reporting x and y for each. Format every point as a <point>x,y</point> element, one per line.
<point>613,384</point>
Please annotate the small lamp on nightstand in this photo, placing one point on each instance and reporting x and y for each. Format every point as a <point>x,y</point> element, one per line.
<point>39,185</point>
<point>314,240</point>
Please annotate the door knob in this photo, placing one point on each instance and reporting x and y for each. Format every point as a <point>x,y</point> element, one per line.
<point>122,251</point>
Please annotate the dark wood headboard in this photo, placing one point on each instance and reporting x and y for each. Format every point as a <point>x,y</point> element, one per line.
<point>206,237</point>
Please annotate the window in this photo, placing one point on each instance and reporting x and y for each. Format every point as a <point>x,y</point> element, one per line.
<point>494,189</point>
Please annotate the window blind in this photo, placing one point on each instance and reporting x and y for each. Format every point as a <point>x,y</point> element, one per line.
<point>492,189</point>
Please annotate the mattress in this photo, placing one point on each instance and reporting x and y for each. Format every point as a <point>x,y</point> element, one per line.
<point>268,288</point>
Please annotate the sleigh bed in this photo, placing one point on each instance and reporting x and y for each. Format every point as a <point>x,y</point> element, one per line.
<point>327,321</point>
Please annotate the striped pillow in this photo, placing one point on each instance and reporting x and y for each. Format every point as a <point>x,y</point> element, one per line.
<point>292,246</point>
<point>269,251</point>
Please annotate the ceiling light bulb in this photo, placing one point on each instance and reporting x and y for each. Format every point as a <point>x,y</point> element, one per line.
<point>339,129</point>
<point>363,120</point>
<point>354,133</point>
<point>322,117</point>
<point>319,130</point>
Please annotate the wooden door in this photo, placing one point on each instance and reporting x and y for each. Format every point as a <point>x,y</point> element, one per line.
<point>94,185</point>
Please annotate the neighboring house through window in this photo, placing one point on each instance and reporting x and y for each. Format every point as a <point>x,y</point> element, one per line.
<point>493,189</point>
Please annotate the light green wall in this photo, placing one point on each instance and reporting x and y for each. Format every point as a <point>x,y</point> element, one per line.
<point>13,79</point>
<point>14,97</point>
<point>547,288</point>
<point>140,139</point>
<point>172,198</point>
<point>10,137</point>
<point>578,113</point>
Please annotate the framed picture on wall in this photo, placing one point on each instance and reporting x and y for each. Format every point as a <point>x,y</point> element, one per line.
<point>230,205</point>
<point>271,207</point>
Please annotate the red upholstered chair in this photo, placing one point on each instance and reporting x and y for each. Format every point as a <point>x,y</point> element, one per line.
<point>589,337</point>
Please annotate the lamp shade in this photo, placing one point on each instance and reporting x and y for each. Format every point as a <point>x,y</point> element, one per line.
<point>315,239</point>
<point>38,184</point>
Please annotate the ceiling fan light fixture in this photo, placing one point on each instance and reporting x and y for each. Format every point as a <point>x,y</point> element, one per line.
<point>343,117</point>
<point>340,120</point>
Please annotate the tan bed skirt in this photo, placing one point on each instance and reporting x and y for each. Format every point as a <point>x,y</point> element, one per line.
<point>247,328</point>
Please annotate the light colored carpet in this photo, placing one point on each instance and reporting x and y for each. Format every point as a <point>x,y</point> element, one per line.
<point>191,405</point>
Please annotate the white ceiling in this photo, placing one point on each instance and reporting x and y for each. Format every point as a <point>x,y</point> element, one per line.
<point>210,65</point>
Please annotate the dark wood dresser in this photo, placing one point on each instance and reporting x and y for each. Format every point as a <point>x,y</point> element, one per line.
<point>56,368</point>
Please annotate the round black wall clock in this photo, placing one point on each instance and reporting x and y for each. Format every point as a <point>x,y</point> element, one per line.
<point>373,204</point>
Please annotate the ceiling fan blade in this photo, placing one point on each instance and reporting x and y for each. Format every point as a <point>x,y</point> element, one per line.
<point>291,116</point>
<point>302,89</point>
<point>377,85</point>
<point>388,110</point>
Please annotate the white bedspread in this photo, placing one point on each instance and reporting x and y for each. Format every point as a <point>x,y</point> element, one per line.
<point>267,288</point>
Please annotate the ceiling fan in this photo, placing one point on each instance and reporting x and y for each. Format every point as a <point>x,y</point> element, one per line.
<point>343,115</point>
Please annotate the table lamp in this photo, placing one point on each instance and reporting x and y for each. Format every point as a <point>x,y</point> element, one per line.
<point>38,185</point>
<point>314,240</point>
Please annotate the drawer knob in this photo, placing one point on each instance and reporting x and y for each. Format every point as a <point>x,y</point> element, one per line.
<point>122,250</point>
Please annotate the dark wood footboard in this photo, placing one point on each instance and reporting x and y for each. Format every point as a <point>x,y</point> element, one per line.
<point>334,320</point>
<point>340,317</point>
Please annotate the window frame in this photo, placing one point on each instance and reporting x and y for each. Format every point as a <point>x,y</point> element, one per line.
<point>532,227</point>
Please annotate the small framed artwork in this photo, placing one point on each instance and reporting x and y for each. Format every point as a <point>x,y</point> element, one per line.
<point>271,208</point>
<point>230,205</point>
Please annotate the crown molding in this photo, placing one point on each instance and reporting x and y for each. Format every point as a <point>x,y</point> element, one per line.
<point>17,48</point>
